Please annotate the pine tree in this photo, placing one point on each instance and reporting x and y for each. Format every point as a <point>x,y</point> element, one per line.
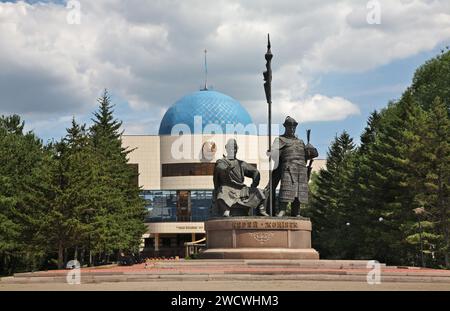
<point>392,182</point>
<point>23,189</point>
<point>435,181</point>
<point>370,132</point>
<point>105,131</point>
<point>362,208</point>
<point>120,212</point>
<point>82,180</point>
<point>327,208</point>
<point>73,181</point>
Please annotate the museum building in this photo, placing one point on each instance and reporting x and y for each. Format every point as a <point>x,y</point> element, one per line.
<point>176,166</point>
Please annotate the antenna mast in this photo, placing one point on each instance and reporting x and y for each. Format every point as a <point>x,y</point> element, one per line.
<point>206,71</point>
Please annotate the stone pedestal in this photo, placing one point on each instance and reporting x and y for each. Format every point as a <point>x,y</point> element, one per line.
<point>259,238</point>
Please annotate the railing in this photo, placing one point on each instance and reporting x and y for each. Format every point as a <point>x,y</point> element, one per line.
<point>193,248</point>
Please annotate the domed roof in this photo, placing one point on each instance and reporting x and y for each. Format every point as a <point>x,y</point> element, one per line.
<point>213,107</point>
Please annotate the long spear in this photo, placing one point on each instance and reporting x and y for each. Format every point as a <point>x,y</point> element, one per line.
<point>308,136</point>
<point>268,90</point>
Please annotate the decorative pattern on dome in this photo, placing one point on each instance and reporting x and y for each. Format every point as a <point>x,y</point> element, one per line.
<point>213,107</point>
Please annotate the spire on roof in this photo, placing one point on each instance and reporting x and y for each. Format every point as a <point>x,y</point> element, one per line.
<point>206,71</point>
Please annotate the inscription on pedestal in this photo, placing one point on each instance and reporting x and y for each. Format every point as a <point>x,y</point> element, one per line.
<point>244,224</point>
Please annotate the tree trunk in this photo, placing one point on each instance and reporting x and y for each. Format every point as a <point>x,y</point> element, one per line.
<point>447,244</point>
<point>60,255</point>
<point>3,266</point>
<point>75,256</point>
<point>66,254</point>
<point>12,265</point>
<point>82,259</point>
<point>443,206</point>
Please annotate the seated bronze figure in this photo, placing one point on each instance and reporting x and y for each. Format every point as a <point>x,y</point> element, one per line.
<point>231,196</point>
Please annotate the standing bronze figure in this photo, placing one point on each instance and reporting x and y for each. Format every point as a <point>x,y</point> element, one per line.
<point>291,155</point>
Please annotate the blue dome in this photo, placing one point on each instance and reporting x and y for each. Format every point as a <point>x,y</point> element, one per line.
<point>212,106</point>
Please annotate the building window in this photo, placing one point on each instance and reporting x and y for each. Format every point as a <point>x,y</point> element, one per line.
<point>161,206</point>
<point>184,206</point>
<point>189,169</point>
<point>201,204</point>
<point>173,206</point>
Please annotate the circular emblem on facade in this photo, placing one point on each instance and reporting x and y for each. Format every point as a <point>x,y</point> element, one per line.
<point>262,237</point>
<point>209,150</point>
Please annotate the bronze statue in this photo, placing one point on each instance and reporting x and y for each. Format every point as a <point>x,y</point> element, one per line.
<point>291,155</point>
<point>231,196</point>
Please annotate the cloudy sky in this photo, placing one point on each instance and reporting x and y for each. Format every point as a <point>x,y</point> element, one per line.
<point>331,66</point>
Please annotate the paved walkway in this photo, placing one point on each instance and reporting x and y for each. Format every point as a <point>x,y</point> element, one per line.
<point>236,275</point>
<point>230,286</point>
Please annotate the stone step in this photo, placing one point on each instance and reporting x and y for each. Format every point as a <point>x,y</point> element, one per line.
<point>229,277</point>
<point>335,264</point>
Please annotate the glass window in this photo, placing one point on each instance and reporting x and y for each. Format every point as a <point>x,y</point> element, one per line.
<point>201,203</point>
<point>161,205</point>
<point>188,169</point>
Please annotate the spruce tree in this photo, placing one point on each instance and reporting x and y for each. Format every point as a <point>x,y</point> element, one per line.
<point>23,190</point>
<point>435,181</point>
<point>392,182</point>
<point>73,183</point>
<point>363,206</point>
<point>120,213</point>
<point>327,208</point>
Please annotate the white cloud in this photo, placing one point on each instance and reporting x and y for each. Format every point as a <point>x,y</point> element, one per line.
<point>149,53</point>
<point>407,28</point>
<point>309,109</point>
<point>322,108</point>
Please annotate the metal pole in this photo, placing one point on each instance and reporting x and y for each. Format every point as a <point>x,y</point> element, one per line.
<point>268,91</point>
